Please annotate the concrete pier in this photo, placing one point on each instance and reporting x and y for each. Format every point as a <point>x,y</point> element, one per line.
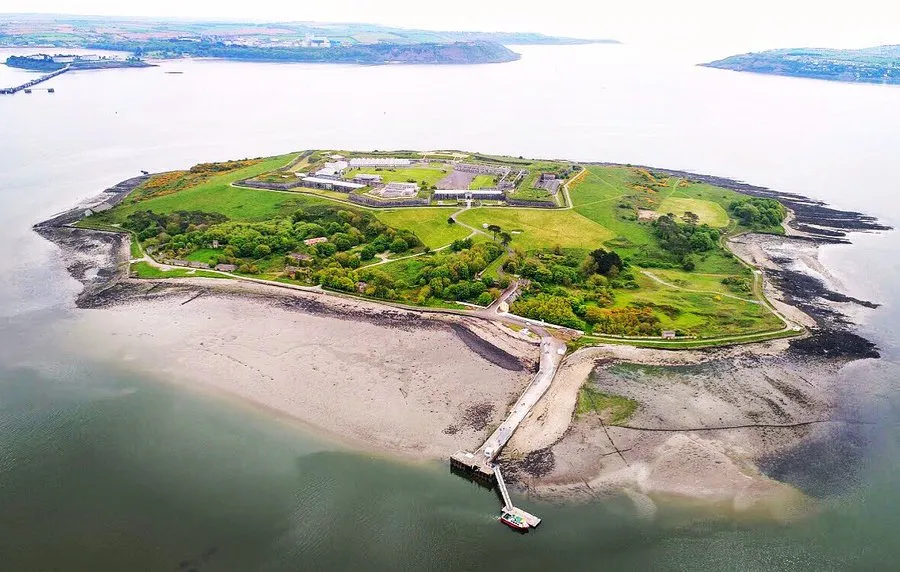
<point>27,85</point>
<point>480,465</point>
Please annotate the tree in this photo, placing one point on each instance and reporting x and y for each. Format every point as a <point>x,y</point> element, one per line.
<point>604,262</point>
<point>554,309</point>
<point>484,299</point>
<point>326,249</point>
<point>690,218</point>
<point>451,220</point>
<point>367,252</point>
<point>505,238</point>
<point>758,212</point>
<point>494,230</point>
<point>399,245</point>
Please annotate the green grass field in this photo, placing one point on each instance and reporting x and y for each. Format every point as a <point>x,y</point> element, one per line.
<point>217,195</point>
<point>533,195</point>
<point>699,314</point>
<point>203,255</point>
<point>406,269</point>
<point>144,270</point>
<point>482,182</point>
<point>607,196</point>
<point>541,228</point>
<point>709,212</point>
<point>417,174</point>
<point>135,248</point>
<point>430,225</point>
<point>701,281</point>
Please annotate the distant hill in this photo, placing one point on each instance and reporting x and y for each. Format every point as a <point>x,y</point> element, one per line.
<point>280,41</point>
<point>381,53</point>
<point>880,64</point>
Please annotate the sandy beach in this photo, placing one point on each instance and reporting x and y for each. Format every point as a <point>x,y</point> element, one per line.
<point>386,383</point>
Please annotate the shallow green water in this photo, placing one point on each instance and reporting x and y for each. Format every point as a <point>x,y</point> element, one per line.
<point>103,471</point>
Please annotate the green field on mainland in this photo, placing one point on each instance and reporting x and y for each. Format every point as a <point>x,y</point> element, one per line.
<point>404,175</point>
<point>707,211</point>
<point>717,298</point>
<point>430,224</point>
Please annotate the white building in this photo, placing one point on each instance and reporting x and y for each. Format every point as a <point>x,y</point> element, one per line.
<point>379,162</point>
<point>315,42</point>
<point>331,184</point>
<point>333,170</point>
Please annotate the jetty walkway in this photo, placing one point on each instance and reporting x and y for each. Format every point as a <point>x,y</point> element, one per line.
<point>480,464</point>
<point>43,78</point>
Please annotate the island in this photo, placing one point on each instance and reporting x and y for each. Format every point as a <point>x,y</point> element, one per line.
<point>59,62</point>
<point>569,328</point>
<point>879,64</point>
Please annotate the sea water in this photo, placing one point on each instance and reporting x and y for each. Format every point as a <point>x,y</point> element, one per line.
<point>104,469</point>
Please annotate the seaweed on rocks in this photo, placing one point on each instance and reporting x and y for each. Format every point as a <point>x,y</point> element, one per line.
<point>538,463</point>
<point>836,343</point>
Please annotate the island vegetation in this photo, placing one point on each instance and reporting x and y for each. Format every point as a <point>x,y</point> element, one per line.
<point>603,254</point>
<point>879,64</point>
<point>52,63</point>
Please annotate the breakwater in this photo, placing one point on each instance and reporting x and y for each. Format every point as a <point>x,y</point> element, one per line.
<point>43,78</point>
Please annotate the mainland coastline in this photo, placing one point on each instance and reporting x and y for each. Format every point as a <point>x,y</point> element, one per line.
<point>707,448</point>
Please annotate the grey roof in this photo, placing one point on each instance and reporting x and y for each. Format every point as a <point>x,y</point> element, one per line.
<point>335,182</point>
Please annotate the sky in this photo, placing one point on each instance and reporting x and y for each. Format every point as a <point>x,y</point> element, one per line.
<point>696,25</point>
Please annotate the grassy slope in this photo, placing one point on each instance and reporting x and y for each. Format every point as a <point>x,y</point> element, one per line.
<point>702,314</point>
<point>430,225</point>
<point>541,228</point>
<point>599,194</point>
<point>144,270</point>
<point>217,195</point>
<point>697,313</point>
